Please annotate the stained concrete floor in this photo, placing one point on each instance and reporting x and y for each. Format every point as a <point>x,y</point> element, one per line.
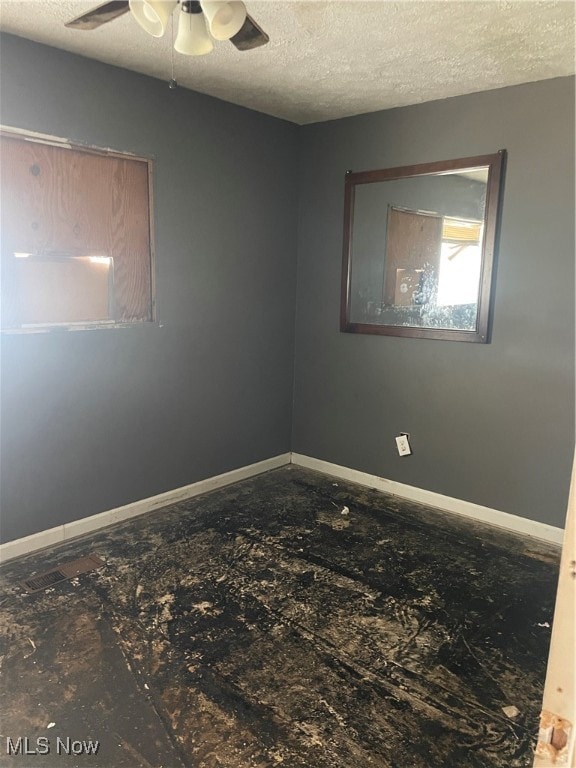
<point>262,625</point>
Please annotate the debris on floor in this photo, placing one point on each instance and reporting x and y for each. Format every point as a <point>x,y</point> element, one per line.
<point>234,630</point>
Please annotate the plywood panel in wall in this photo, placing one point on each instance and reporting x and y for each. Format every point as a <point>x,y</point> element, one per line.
<point>64,202</point>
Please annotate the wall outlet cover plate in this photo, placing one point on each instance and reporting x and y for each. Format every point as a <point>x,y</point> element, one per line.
<point>403,445</point>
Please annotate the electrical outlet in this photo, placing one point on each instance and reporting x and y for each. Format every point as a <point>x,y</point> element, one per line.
<point>403,445</point>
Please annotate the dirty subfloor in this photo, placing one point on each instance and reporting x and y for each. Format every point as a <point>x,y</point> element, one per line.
<point>265,625</point>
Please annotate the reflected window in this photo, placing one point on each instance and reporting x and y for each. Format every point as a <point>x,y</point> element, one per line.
<point>460,262</point>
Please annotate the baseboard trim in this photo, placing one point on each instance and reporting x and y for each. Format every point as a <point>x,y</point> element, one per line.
<point>61,533</point>
<point>72,530</point>
<point>494,517</point>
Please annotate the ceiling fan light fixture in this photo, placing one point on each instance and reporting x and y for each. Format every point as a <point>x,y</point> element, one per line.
<point>224,19</point>
<point>153,15</point>
<point>192,38</point>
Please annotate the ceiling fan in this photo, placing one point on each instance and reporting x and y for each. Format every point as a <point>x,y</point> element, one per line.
<point>199,22</point>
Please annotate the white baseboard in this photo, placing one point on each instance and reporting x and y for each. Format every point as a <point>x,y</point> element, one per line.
<point>60,533</point>
<point>446,503</point>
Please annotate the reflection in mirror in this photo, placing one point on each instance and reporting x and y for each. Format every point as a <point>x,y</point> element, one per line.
<point>418,249</point>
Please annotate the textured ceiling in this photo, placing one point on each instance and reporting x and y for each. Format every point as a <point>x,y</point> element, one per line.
<point>332,59</point>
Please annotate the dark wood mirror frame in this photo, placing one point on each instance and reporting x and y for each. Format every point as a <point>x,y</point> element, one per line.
<point>494,165</point>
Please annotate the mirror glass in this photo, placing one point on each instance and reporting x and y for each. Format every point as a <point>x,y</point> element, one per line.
<point>418,249</point>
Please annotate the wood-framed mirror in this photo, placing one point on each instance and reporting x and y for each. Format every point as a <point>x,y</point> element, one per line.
<point>419,249</point>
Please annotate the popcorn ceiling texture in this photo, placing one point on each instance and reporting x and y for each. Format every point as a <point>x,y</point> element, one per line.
<point>327,60</point>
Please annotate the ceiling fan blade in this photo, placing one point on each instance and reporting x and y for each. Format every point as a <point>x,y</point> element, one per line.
<point>102,14</point>
<point>250,36</point>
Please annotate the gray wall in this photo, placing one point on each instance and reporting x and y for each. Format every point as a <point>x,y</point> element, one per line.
<point>492,424</point>
<point>97,419</point>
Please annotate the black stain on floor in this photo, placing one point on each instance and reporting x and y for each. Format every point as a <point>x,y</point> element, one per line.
<point>290,620</point>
